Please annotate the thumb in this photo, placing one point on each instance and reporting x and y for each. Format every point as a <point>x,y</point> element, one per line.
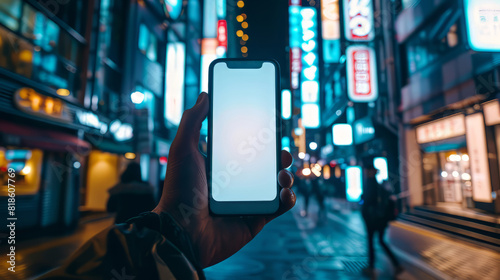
<point>189,128</point>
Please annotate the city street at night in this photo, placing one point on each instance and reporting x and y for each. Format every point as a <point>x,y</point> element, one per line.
<point>250,139</point>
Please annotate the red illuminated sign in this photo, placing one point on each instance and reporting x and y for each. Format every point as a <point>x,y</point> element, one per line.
<point>295,66</point>
<point>222,33</point>
<point>361,74</point>
<point>358,20</point>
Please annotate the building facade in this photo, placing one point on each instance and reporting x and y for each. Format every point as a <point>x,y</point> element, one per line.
<point>449,93</point>
<point>88,86</point>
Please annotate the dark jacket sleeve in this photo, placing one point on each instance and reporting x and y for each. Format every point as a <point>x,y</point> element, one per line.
<point>131,251</point>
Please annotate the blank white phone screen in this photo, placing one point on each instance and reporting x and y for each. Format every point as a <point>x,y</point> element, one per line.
<point>244,133</point>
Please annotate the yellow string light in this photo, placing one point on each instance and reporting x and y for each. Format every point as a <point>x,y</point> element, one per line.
<point>239,33</point>
<point>244,49</point>
<point>240,18</point>
<point>245,37</point>
<point>244,24</point>
<point>240,4</point>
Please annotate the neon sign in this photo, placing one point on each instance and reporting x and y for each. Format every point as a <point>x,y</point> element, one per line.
<point>361,74</point>
<point>483,24</point>
<point>358,20</point>
<point>222,33</point>
<point>34,103</point>
<point>310,70</point>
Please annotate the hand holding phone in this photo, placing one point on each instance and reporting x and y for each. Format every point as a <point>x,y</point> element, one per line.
<point>185,195</point>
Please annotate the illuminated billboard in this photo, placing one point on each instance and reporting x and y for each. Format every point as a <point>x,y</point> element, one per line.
<point>174,82</point>
<point>358,20</point>
<point>483,24</point>
<point>362,85</point>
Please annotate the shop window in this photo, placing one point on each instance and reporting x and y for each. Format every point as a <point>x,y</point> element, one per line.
<point>42,52</point>
<point>17,54</point>
<point>148,44</point>
<point>27,165</point>
<point>10,11</point>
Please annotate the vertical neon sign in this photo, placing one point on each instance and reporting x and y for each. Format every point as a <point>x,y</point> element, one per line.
<point>310,70</point>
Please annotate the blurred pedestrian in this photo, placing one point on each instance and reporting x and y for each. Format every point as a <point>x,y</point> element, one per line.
<point>377,210</point>
<point>131,196</point>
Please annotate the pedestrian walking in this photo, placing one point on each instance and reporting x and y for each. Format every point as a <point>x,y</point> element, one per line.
<point>131,196</point>
<point>377,210</point>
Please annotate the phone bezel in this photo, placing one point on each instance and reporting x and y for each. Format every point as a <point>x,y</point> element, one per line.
<point>240,208</point>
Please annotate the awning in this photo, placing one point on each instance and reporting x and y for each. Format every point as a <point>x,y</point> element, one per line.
<point>110,146</point>
<point>44,139</point>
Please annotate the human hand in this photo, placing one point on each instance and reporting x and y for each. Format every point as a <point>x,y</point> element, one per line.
<point>185,195</point>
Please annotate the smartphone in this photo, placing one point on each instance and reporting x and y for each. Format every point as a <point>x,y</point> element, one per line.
<point>244,127</point>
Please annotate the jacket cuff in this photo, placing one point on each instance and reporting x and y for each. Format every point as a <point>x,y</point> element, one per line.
<point>171,230</point>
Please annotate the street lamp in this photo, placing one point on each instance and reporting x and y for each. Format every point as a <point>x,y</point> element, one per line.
<point>137,97</point>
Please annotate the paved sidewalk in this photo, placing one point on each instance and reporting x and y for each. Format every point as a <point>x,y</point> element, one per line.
<point>439,254</point>
<point>294,247</point>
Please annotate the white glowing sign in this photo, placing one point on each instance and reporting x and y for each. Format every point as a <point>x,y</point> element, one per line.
<point>310,115</point>
<point>342,134</point>
<point>310,91</point>
<point>354,183</point>
<point>483,24</point>
<point>174,82</point>
<point>286,104</point>
<point>358,20</point>
<point>478,158</point>
<point>380,163</point>
<point>362,84</point>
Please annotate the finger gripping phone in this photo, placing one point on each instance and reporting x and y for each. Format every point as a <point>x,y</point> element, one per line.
<point>243,137</point>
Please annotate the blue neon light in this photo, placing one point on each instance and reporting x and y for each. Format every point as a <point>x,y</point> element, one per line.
<point>310,68</point>
<point>285,143</point>
<point>295,28</point>
<point>17,155</point>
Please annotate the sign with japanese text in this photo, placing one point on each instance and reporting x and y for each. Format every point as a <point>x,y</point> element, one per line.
<point>478,156</point>
<point>358,20</point>
<point>361,74</point>
<point>441,129</point>
<point>295,66</point>
<point>483,24</point>
<point>222,33</point>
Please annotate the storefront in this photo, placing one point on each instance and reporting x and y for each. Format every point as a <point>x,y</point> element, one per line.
<point>47,174</point>
<point>459,162</point>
